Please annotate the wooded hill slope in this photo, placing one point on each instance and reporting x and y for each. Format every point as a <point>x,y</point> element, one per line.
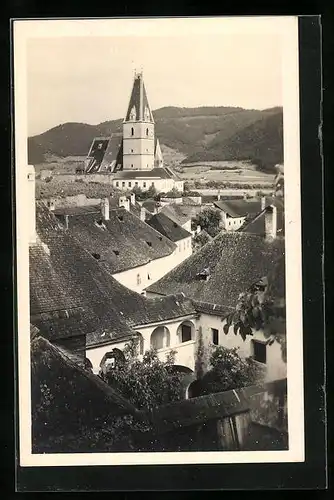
<point>202,134</point>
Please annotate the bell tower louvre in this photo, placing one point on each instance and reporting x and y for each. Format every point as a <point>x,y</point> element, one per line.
<point>138,130</point>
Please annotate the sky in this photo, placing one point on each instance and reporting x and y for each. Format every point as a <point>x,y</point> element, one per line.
<point>89,79</point>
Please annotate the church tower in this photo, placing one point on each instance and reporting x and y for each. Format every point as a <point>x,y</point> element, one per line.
<point>138,130</point>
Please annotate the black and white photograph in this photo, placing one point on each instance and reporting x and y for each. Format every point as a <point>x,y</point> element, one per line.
<point>158,241</point>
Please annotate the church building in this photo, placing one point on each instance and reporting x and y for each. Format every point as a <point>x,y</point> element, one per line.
<point>135,160</point>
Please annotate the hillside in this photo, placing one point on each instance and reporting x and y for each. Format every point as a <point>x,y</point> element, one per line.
<point>261,142</point>
<point>201,133</point>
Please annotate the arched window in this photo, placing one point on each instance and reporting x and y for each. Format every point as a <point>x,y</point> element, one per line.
<point>160,337</point>
<point>132,131</point>
<point>186,331</point>
<point>111,359</point>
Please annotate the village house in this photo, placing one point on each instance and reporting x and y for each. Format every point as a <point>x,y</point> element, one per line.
<point>182,238</point>
<point>81,309</point>
<point>182,214</point>
<point>237,212</point>
<point>132,251</point>
<point>213,278</point>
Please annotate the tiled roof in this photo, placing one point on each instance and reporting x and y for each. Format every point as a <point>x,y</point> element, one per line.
<point>198,410</point>
<point>138,101</point>
<point>123,242</point>
<point>150,205</point>
<point>256,225</point>
<point>69,292</point>
<point>59,365</point>
<point>155,173</point>
<point>72,294</point>
<point>167,227</point>
<point>222,269</point>
<point>70,405</point>
<point>181,213</point>
<point>239,208</point>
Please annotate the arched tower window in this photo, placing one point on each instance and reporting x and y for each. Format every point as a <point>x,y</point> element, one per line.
<point>132,131</point>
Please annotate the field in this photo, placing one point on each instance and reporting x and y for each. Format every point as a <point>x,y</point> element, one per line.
<point>226,175</point>
<point>235,172</point>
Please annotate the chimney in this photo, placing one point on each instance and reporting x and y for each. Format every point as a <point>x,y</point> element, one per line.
<point>270,222</point>
<point>218,195</point>
<point>124,202</point>
<point>263,202</point>
<point>133,198</point>
<point>51,204</point>
<point>105,208</point>
<point>142,214</point>
<point>31,204</point>
<point>66,221</point>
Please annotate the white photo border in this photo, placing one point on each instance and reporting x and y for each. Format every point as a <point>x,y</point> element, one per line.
<point>287,29</point>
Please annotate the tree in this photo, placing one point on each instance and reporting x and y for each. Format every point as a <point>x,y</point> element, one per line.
<point>200,240</point>
<point>228,371</point>
<point>279,181</point>
<point>262,308</point>
<point>148,383</point>
<point>209,220</point>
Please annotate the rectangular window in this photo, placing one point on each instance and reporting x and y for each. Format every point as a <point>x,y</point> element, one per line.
<point>129,184</point>
<point>138,279</point>
<point>144,184</point>
<point>123,184</point>
<point>153,184</point>
<point>259,351</point>
<point>215,339</point>
<point>186,333</point>
<point>117,183</point>
<point>136,183</point>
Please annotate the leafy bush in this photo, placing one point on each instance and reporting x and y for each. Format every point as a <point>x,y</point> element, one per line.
<point>229,371</point>
<point>148,383</point>
<point>209,220</point>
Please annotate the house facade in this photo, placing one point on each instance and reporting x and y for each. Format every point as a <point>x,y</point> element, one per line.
<point>215,276</point>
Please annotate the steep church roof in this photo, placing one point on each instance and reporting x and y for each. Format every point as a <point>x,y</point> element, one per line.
<point>138,105</point>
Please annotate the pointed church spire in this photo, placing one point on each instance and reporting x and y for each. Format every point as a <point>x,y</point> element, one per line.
<point>139,109</point>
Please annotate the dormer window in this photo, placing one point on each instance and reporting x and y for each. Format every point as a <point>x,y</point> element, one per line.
<point>203,275</point>
<point>96,256</point>
<point>147,131</point>
<point>133,113</point>
<point>149,243</point>
<point>116,252</point>
<point>120,217</point>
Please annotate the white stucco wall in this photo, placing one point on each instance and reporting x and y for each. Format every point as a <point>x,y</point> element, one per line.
<point>275,366</point>
<point>155,269</point>
<point>95,354</point>
<point>231,223</point>
<point>161,185</point>
<point>185,352</point>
